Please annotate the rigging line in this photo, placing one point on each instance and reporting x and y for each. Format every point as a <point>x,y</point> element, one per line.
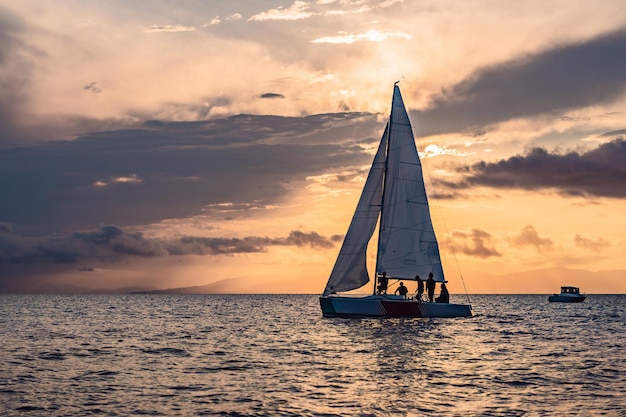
<point>445,226</point>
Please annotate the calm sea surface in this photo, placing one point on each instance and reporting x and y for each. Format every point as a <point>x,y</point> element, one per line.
<point>260,355</point>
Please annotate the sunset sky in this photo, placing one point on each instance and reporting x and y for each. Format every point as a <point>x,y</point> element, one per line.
<point>163,144</point>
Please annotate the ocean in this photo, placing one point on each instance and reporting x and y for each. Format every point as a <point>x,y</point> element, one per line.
<point>275,355</point>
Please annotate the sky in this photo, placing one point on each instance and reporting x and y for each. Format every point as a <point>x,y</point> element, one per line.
<point>159,144</point>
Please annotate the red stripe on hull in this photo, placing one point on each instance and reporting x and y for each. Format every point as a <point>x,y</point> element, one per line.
<point>403,308</point>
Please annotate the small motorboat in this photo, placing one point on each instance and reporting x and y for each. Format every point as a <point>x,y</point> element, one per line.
<point>568,295</point>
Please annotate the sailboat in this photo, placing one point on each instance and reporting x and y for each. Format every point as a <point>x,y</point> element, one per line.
<point>394,197</point>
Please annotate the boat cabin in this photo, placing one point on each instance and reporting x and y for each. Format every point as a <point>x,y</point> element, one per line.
<point>570,290</point>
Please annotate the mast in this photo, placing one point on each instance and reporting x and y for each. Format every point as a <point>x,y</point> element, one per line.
<point>382,200</point>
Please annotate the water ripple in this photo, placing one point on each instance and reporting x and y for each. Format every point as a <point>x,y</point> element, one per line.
<point>253,355</point>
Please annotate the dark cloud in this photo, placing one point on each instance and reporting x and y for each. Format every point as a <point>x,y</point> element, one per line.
<point>312,239</point>
<point>162,170</point>
<point>220,246</point>
<point>600,172</point>
<point>615,134</point>
<point>6,228</point>
<point>27,262</point>
<point>251,244</point>
<point>110,243</point>
<point>107,243</point>
<point>93,87</point>
<point>337,238</point>
<point>271,95</point>
<point>556,80</point>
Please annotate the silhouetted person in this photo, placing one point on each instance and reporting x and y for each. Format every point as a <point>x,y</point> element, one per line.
<point>402,290</point>
<point>430,287</point>
<point>444,297</point>
<point>420,288</point>
<point>382,283</point>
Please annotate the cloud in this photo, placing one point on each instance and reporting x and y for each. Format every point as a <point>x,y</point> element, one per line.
<point>597,245</point>
<point>163,170</point>
<point>616,134</point>
<point>559,79</point>
<point>528,236</point>
<point>110,243</point>
<point>343,12</point>
<point>477,243</point>
<point>217,20</point>
<point>219,246</point>
<point>93,87</point>
<point>599,172</point>
<point>297,11</point>
<point>250,244</point>
<point>369,36</point>
<point>311,239</point>
<point>234,16</point>
<point>169,28</point>
<point>433,150</point>
<point>131,179</point>
<point>300,10</point>
<point>482,244</point>
<point>6,228</point>
<point>271,95</point>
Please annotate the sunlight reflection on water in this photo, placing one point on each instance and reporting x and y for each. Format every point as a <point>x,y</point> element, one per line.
<point>276,355</point>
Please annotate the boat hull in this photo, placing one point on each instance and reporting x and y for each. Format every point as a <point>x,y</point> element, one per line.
<point>566,298</point>
<point>389,306</point>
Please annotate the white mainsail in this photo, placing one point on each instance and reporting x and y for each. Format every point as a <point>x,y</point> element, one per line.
<point>407,245</point>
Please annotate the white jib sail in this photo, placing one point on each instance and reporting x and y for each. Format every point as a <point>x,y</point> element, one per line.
<point>350,270</point>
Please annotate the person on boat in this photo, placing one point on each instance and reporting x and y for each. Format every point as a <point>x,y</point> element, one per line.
<point>444,297</point>
<point>430,287</point>
<point>402,290</point>
<point>383,281</point>
<point>420,288</point>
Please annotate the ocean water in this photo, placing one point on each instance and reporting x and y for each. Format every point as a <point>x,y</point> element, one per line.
<point>275,355</point>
